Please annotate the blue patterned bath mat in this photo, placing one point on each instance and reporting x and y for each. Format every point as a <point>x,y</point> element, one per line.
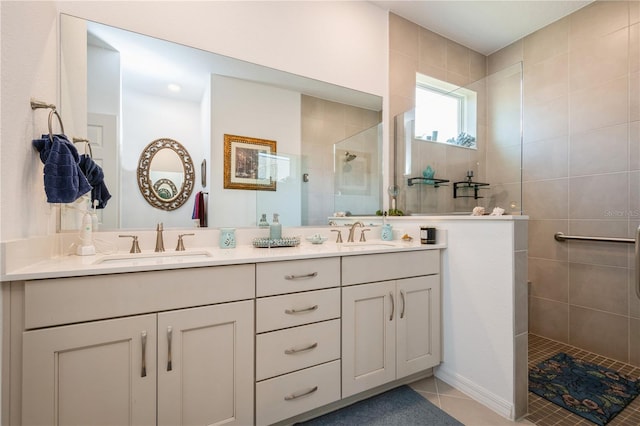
<point>593,392</point>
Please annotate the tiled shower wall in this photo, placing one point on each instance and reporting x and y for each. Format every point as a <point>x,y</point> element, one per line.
<point>581,174</point>
<point>325,123</point>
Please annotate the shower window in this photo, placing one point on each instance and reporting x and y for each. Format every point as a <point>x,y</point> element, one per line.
<point>444,112</point>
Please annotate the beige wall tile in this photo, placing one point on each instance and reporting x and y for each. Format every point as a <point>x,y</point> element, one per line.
<point>604,150</point>
<point>432,71</point>
<point>634,300</point>
<point>549,318</point>
<point>549,279</point>
<point>599,287</point>
<point>634,145</point>
<point>634,47</point>
<point>546,199</point>
<point>400,104</point>
<point>506,195</point>
<point>403,36</point>
<point>598,197</point>
<point>432,49</point>
<point>546,80</point>
<point>402,75</point>
<point>603,59</point>
<point>477,65</point>
<point>634,196</point>
<point>597,19</point>
<point>505,57</point>
<point>546,120</point>
<point>548,42</point>
<point>599,332</point>
<point>599,253</point>
<point>503,166</point>
<point>599,106</point>
<point>541,241</point>
<point>458,58</point>
<point>458,79</point>
<point>634,98</point>
<point>634,343</point>
<point>634,12</point>
<point>545,159</point>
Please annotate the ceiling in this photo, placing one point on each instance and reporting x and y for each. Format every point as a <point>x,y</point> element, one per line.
<point>484,26</point>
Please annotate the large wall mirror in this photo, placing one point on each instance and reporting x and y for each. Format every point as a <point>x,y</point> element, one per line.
<point>122,90</point>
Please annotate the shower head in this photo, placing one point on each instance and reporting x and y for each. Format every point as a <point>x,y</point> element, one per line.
<point>349,156</point>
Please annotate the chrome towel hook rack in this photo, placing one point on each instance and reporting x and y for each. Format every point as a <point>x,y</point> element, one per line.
<point>559,236</point>
<point>36,104</point>
<point>87,145</point>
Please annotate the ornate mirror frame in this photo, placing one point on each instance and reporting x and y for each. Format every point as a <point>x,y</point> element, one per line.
<point>147,186</point>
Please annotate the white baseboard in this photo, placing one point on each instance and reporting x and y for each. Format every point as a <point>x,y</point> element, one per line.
<point>478,393</point>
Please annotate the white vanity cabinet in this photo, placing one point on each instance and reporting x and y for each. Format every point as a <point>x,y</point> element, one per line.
<point>390,317</point>
<point>188,365</point>
<point>298,337</point>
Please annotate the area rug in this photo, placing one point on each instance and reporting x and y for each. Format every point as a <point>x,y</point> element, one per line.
<point>398,407</point>
<point>593,392</point>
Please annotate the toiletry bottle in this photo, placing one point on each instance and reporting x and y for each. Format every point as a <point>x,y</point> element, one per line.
<point>94,217</point>
<point>86,247</point>
<point>263,221</point>
<point>275,229</point>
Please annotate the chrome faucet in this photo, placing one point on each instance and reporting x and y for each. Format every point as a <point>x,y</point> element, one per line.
<point>352,229</point>
<point>159,239</point>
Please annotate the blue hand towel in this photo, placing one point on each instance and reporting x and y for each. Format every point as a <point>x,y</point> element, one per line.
<point>95,176</point>
<point>64,182</point>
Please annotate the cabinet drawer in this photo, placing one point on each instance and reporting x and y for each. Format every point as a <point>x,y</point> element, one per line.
<point>291,310</point>
<point>297,275</point>
<point>69,300</point>
<point>283,351</point>
<point>286,396</point>
<point>389,266</point>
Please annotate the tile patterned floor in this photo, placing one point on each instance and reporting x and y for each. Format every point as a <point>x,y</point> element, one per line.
<point>541,412</point>
<point>545,413</point>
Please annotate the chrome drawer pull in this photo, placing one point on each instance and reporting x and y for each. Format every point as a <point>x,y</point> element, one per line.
<point>393,307</point>
<point>298,395</point>
<point>300,277</point>
<point>295,351</point>
<point>169,338</point>
<point>300,311</point>
<point>143,338</point>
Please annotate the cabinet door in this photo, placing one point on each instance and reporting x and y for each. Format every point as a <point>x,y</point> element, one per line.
<point>205,365</point>
<point>418,325</point>
<point>368,336</point>
<point>91,374</point>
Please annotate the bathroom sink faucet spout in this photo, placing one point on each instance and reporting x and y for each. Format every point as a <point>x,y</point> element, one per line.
<point>352,229</point>
<point>159,239</point>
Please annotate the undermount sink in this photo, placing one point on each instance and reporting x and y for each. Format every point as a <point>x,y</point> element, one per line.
<point>371,245</point>
<point>153,258</point>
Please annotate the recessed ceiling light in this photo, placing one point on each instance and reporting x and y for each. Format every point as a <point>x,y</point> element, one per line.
<point>174,87</point>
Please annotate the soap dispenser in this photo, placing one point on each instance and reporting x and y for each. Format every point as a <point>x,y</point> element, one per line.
<point>275,229</point>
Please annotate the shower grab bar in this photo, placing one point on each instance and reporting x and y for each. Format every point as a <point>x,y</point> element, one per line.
<point>559,236</point>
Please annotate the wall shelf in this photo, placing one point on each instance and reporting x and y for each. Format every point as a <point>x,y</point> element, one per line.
<point>476,186</point>
<point>427,181</point>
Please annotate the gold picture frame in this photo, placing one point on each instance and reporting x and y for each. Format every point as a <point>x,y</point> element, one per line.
<point>249,163</point>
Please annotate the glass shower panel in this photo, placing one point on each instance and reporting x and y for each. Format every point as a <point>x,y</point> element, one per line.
<point>483,164</point>
<point>357,165</point>
<point>285,200</point>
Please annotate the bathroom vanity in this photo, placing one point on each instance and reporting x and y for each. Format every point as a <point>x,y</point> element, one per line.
<point>177,344</point>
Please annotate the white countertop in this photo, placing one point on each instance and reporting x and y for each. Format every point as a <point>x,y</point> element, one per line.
<point>120,262</point>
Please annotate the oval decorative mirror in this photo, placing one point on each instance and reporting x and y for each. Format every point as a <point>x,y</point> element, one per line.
<point>165,174</point>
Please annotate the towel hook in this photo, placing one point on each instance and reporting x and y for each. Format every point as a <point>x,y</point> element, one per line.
<point>86,146</point>
<point>35,104</point>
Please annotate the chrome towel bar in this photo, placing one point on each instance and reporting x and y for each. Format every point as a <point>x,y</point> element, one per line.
<point>559,236</point>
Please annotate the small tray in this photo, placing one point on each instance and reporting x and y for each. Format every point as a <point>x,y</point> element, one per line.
<point>280,242</point>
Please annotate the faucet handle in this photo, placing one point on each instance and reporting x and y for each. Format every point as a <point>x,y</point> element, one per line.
<point>180,246</point>
<point>135,247</point>
<point>339,238</point>
<point>363,239</point>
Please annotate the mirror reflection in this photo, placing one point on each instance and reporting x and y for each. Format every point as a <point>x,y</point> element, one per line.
<point>140,89</point>
<point>165,174</point>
